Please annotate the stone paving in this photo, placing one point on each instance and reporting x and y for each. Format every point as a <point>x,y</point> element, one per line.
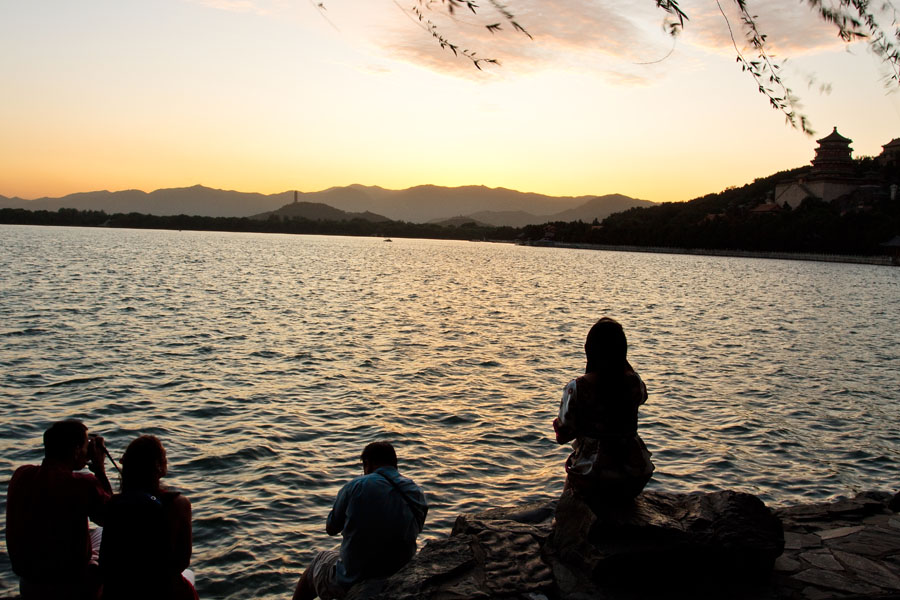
<point>845,549</point>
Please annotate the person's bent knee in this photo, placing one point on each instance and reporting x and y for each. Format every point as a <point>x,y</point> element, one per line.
<point>322,574</point>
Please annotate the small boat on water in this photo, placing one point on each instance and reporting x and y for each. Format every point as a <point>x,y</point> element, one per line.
<point>388,240</point>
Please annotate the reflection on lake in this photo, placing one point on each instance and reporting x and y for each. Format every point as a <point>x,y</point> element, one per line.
<point>266,362</point>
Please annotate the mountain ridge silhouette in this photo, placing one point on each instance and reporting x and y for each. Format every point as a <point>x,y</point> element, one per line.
<point>419,204</point>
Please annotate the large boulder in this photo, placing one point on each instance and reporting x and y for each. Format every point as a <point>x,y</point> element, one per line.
<point>894,503</point>
<point>663,542</point>
<point>489,555</point>
<point>660,543</point>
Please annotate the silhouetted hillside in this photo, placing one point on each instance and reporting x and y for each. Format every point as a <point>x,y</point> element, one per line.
<point>196,200</point>
<point>461,221</point>
<point>743,219</point>
<point>297,225</point>
<point>599,208</point>
<point>315,211</point>
<point>419,204</point>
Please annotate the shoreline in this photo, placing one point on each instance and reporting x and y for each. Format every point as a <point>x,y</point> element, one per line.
<point>876,260</point>
<point>879,260</point>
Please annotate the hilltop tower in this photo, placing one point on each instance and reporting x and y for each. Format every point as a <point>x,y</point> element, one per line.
<point>832,157</point>
<point>831,175</point>
<point>890,152</point>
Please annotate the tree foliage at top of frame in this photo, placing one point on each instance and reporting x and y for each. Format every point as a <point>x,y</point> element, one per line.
<point>854,20</point>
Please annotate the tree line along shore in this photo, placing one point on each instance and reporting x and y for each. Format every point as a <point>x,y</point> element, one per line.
<point>744,220</point>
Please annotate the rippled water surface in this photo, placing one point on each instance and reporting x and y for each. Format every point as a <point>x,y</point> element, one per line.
<point>266,362</point>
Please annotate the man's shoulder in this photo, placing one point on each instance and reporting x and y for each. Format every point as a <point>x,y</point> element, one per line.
<point>355,486</point>
<point>383,478</point>
<point>394,479</point>
<point>404,481</point>
<point>86,478</point>
<point>26,470</point>
<point>363,481</point>
<point>40,477</point>
<point>24,475</point>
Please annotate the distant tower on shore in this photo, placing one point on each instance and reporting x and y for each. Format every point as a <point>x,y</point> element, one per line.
<point>295,196</point>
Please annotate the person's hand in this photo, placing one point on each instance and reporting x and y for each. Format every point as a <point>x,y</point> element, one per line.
<point>97,454</point>
<point>563,434</point>
<point>556,427</point>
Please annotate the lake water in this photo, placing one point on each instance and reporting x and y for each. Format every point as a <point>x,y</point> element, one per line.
<point>266,362</point>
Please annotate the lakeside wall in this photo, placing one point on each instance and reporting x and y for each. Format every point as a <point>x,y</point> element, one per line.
<point>835,258</point>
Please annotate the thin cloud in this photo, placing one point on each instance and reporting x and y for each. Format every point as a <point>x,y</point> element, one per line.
<point>566,33</point>
<point>597,34</point>
<point>791,28</point>
<point>236,6</point>
<point>631,79</point>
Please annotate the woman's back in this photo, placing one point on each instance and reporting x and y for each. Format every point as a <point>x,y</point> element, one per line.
<point>598,414</point>
<point>146,532</point>
<point>139,557</point>
<point>609,406</point>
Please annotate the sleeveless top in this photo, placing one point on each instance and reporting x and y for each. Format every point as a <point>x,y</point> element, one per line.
<point>137,558</point>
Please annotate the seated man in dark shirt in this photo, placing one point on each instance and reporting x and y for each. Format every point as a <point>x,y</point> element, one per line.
<point>47,512</point>
<point>380,514</point>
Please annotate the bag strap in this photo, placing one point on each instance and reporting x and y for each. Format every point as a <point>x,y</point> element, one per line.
<point>416,511</point>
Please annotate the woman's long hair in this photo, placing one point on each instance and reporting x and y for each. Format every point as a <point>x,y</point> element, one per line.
<point>143,465</point>
<point>606,347</point>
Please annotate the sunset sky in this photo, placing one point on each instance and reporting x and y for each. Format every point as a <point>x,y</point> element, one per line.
<point>275,95</point>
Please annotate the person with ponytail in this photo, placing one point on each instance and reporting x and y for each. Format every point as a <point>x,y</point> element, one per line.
<point>598,413</point>
<point>146,545</point>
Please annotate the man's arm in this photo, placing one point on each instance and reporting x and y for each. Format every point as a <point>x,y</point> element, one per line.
<point>17,502</point>
<point>97,463</point>
<point>103,492</point>
<point>334,524</point>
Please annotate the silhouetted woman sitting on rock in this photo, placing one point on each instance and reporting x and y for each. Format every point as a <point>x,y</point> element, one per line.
<point>598,414</point>
<point>146,545</point>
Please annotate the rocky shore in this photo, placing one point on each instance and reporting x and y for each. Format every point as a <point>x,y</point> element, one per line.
<point>725,545</point>
<point>718,545</point>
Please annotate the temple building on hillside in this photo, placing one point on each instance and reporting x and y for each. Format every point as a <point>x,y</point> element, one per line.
<point>890,153</point>
<point>831,175</point>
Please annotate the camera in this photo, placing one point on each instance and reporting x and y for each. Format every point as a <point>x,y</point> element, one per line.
<point>92,442</point>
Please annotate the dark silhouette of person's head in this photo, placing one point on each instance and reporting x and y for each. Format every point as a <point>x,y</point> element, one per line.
<point>606,347</point>
<point>378,454</point>
<point>143,464</point>
<point>66,441</point>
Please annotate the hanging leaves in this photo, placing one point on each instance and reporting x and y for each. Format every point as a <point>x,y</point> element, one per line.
<point>853,20</point>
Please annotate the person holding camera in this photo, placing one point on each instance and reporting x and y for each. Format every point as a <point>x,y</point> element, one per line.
<point>47,510</point>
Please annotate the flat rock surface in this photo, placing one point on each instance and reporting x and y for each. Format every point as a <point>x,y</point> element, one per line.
<point>845,549</point>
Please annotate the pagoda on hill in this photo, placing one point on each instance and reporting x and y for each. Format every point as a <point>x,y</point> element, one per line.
<point>832,157</point>
<point>831,175</point>
<point>890,152</point>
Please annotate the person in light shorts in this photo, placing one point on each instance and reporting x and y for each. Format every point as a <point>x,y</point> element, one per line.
<point>379,514</point>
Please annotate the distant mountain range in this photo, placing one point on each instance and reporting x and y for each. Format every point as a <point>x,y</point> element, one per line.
<point>196,200</point>
<point>419,204</point>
